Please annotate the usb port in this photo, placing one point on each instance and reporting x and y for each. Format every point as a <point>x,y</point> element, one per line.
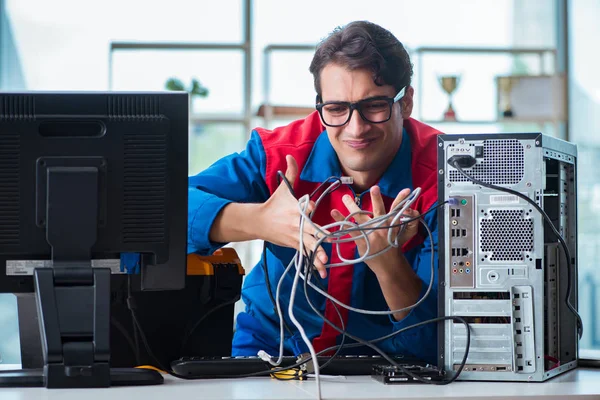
<point>459,232</point>
<point>455,212</point>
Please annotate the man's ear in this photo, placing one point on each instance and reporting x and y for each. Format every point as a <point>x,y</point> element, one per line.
<point>406,104</point>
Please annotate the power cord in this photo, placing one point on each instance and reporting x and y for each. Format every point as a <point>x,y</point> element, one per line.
<point>466,161</point>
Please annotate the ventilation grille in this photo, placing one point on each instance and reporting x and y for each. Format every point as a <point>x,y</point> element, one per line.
<point>503,163</point>
<point>145,187</point>
<point>9,188</point>
<point>140,107</point>
<point>16,107</point>
<point>507,235</point>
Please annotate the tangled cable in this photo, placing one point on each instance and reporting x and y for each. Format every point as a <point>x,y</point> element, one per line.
<point>303,262</point>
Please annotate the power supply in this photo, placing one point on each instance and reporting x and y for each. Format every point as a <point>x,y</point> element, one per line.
<point>502,266</point>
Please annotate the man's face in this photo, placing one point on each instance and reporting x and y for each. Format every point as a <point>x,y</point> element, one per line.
<point>362,146</point>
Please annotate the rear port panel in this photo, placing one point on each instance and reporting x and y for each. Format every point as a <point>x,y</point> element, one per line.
<point>461,244</point>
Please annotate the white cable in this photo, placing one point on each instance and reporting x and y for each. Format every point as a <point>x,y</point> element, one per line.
<point>397,213</point>
<point>263,354</point>
<point>370,312</point>
<point>401,207</point>
<point>304,200</point>
<point>322,234</point>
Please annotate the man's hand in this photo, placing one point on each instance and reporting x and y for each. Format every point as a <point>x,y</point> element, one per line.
<point>279,220</point>
<point>378,239</point>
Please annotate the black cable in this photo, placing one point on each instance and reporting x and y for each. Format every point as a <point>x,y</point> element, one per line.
<point>267,372</point>
<point>281,177</point>
<point>136,341</point>
<point>343,232</point>
<point>455,160</point>
<point>127,337</point>
<point>132,307</point>
<point>190,332</point>
<point>322,185</point>
<point>270,290</point>
<point>343,331</point>
<point>438,319</point>
<point>416,324</point>
<point>383,354</point>
<point>336,309</point>
<point>343,327</point>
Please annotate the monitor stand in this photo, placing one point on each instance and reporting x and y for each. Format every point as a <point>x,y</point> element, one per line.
<point>72,298</point>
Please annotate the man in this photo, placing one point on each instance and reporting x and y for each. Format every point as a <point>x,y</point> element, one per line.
<point>362,129</point>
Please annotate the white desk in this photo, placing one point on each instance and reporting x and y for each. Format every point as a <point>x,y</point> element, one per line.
<point>577,384</point>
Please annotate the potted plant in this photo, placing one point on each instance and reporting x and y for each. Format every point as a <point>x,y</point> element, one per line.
<point>195,89</point>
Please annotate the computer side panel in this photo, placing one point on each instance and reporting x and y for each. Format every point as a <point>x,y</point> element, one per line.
<point>560,203</point>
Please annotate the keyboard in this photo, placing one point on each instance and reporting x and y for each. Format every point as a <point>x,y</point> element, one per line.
<point>216,367</point>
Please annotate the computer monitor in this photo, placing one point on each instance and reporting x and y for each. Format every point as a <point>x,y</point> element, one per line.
<point>86,180</point>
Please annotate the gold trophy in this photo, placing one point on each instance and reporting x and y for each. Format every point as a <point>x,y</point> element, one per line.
<point>449,84</point>
<point>505,85</point>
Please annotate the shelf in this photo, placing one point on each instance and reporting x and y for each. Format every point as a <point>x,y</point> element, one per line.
<point>216,118</point>
<point>552,112</point>
<point>285,111</point>
<point>487,50</point>
<point>488,122</point>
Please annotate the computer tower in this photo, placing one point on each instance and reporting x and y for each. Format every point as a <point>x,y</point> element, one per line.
<point>501,267</point>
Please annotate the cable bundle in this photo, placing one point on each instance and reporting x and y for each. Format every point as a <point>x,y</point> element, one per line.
<point>304,267</point>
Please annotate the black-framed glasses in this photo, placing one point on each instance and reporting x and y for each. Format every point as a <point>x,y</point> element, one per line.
<point>375,110</point>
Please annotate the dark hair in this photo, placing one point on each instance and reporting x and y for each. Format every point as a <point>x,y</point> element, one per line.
<point>364,45</point>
